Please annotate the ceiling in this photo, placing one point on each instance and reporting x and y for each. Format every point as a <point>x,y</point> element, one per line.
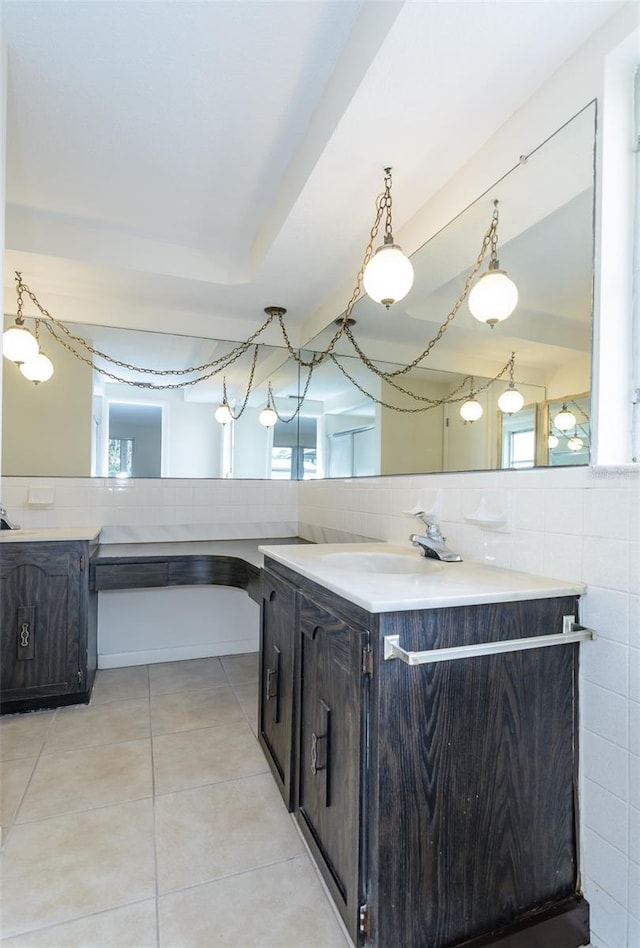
<point>181,165</point>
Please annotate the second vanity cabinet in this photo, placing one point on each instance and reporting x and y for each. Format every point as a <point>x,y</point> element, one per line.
<point>438,800</point>
<point>47,624</point>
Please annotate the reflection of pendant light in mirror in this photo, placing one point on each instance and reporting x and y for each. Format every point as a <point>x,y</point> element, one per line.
<point>553,442</point>
<point>223,414</point>
<point>575,443</point>
<point>565,419</point>
<point>39,369</point>
<point>511,400</point>
<point>495,296</point>
<point>18,345</point>
<point>471,410</point>
<point>268,416</point>
<point>388,276</point>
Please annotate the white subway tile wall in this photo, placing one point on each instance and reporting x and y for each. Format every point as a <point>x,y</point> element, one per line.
<point>570,523</point>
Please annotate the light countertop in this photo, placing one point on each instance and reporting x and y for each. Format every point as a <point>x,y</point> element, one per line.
<point>384,577</point>
<point>43,535</point>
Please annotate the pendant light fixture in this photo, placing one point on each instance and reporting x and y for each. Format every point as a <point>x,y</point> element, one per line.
<point>553,441</point>
<point>495,296</point>
<point>471,410</point>
<point>565,419</point>
<point>388,276</point>
<point>223,413</point>
<point>268,416</point>
<point>39,369</point>
<point>18,344</point>
<point>511,400</point>
<point>575,443</point>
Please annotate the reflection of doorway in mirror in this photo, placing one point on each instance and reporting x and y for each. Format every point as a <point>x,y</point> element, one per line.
<point>134,440</point>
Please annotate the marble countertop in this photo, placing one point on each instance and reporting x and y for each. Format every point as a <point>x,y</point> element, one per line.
<point>44,535</point>
<point>383,577</point>
<point>247,550</point>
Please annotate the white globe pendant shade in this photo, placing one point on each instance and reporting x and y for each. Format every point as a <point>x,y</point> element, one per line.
<point>38,369</point>
<point>267,417</point>
<point>19,345</point>
<point>574,444</point>
<point>493,298</point>
<point>510,401</point>
<point>223,414</point>
<point>388,276</point>
<point>471,410</point>
<point>564,420</point>
<point>553,441</point>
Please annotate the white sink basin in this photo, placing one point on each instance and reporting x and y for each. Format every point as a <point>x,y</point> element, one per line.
<point>375,562</point>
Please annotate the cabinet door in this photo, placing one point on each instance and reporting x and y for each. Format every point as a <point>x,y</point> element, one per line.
<point>40,622</point>
<point>276,680</point>
<point>332,748</point>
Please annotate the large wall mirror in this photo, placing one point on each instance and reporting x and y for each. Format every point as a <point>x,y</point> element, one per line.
<point>360,415</point>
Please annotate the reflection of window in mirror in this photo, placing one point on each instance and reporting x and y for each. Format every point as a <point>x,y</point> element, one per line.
<point>567,425</point>
<point>294,454</point>
<point>121,454</point>
<point>518,438</point>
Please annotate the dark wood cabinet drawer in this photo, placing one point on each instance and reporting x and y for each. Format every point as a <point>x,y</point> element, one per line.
<point>130,575</point>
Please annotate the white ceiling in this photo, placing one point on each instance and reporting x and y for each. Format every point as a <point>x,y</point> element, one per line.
<point>181,165</point>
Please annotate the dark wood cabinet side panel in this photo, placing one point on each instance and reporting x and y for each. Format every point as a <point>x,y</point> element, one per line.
<point>276,709</point>
<point>476,774</point>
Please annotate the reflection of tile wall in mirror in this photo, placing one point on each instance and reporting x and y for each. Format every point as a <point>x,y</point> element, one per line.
<point>546,245</point>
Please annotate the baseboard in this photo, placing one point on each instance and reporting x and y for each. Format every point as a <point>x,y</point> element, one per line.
<point>178,653</point>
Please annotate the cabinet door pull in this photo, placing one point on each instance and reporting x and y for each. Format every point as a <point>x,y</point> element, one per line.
<point>272,689</point>
<point>315,766</point>
<point>25,634</point>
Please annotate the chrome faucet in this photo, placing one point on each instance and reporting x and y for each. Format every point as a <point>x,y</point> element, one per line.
<point>5,523</point>
<point>433,543</point>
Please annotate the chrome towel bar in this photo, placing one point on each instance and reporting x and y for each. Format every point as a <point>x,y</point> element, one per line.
<point>572,632</point>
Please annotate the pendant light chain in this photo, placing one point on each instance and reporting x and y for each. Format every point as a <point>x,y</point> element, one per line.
<point>433,403</point>
<point>486,242</point>
<point>240,349</point>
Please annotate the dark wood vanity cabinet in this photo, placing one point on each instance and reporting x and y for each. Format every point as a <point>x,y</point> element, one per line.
<point>47,625</point>
<point>438,800</point>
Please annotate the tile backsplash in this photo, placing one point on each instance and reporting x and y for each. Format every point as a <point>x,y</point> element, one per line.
<point>570,523</point>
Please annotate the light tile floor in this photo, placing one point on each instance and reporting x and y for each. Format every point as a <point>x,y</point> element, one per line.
<point>150,818</point>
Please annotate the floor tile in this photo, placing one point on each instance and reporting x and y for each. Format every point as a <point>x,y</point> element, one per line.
<point>133,926</point>
<point>189,675</point>
<point>23,735</point>
<point>14,777</point>
<point>77,864</point>
<point>194,758</point>
<point>281,906</point>
<point>120,684</point>
<point>77,727</point>
<point>188,710</point>
<point>241,668</point>
<point>224,829</point>
<point>247,695</point>
<point>110,773</point>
